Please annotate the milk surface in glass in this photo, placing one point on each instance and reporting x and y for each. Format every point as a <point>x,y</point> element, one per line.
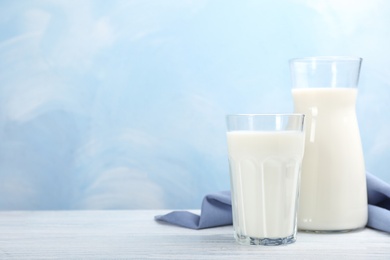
<point>333,193</point>
<point>264,168</point>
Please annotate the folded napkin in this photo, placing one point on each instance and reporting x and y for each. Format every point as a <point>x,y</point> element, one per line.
<point>378,193</point>
<point>217,210</point>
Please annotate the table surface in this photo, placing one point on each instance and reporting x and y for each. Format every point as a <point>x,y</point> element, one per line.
<point>133,234</point>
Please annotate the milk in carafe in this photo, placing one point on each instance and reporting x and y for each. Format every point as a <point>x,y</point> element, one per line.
<point>333,194</point>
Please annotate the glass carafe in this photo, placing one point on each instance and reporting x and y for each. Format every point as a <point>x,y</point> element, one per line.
<point>333,194</point>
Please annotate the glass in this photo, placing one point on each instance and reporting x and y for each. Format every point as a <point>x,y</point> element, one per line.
<point>265,155</point>
<point>333,194</point>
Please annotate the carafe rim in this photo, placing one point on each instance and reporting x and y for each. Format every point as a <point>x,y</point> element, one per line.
<point>327,59</point>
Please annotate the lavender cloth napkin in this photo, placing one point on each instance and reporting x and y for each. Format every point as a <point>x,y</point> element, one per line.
<point>217,211</point>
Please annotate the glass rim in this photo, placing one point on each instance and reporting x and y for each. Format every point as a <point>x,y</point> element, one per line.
<point>278,122</point>
<point>265,115</point>
<point>327,59</point>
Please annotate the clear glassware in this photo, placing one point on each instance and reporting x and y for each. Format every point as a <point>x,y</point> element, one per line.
<point>333,195</point>
<point>265,156</point>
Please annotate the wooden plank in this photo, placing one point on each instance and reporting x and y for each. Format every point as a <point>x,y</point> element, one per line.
<point>135,235</point>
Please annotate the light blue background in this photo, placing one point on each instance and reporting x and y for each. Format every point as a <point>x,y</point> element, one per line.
<point>121,104</point>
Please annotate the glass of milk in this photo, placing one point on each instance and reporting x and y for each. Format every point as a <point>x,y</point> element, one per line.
<point>333,185</point>
<point>265,154</point>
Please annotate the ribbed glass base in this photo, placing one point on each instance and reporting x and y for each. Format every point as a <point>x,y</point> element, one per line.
<point>247,240</point>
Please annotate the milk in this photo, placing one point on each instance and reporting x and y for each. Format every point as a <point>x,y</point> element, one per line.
<point>333,193</point>
<point>264,168</point>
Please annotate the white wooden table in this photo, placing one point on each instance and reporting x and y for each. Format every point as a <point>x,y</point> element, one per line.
<point>133,234</point>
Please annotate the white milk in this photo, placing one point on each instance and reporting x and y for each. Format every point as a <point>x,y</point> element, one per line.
<point>264,168</point>
<point>333,193</point>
